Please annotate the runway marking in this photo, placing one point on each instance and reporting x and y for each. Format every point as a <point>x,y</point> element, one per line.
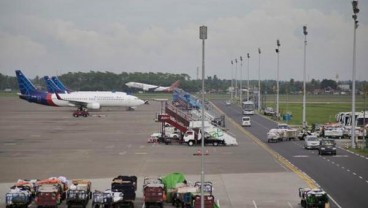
<point>254,203</point>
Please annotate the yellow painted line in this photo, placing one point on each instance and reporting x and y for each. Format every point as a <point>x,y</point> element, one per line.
<point>308,180</point>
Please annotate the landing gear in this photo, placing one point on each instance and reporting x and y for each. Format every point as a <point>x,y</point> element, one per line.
<point>81,112</point>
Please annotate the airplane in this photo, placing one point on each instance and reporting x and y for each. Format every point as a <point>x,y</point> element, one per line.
<point>59,84</point>
<point>81,100</point>
<point>155,88</point>
<point>52,87</point>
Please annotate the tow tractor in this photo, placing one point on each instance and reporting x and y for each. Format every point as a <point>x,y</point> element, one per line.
<point>81,112</point>
<point>311,198</point>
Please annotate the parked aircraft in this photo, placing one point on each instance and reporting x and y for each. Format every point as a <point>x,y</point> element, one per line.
<point>60,85</point>
<point>155,88</point>
<point>81,100</point>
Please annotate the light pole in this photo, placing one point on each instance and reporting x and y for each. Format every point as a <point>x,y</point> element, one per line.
<point>232,83</point>
<point>202,36</point>
<point>236,80</point>
<point>248,77</point>
<point>241,79</point>
<point>259,79</point>
<point>277,80</point>
<point>355,18</point>
<point>304,75</point>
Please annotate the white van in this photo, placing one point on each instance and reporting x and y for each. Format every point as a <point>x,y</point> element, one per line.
<point>246,121</point>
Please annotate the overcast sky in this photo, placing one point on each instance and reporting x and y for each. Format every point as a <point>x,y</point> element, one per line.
<point>44,37</point>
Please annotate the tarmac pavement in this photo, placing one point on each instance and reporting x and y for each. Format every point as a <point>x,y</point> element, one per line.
<point>40,141</point>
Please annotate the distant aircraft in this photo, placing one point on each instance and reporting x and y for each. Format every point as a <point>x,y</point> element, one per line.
<point>155,88</point>
<point>81,100</point>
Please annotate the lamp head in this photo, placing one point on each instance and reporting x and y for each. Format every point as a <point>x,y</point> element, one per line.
<point>241,58</point>
<point>278,42</point>
<point>248,55</point>
<point>259,50</point>
<point>305,30</point>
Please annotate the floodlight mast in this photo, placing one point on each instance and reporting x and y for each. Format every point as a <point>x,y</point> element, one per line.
<point>277,80</point>
<point>259,80</point>
<point>241,79</point>
<point>232,83</point>
<point>248,87</point>
<point>355,18</point>
<point>236,80</point>
<point>202,36</point>
<point>304,77</point>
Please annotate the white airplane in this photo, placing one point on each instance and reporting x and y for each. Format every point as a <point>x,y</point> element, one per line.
<point>81,99</point>
<point>155,88</point>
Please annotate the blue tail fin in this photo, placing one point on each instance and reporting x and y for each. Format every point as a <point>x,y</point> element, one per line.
<point>25,86</point>
<point>51,86</point>
<point>60,84</point>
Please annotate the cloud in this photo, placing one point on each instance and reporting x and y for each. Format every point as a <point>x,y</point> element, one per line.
<point>164,37</point>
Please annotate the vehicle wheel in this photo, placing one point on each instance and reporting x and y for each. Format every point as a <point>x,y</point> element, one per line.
<point>215,144</point>
<point>75,115</point>
<point>85,115</point>
<point>190,143</point>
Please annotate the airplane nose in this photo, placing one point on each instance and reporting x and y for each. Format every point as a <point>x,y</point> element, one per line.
<point>140,102</point>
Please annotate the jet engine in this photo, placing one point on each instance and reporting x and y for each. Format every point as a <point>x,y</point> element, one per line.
<point>93,105</point>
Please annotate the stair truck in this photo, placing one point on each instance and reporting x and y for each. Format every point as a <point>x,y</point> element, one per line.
<point>313,198</point>
<point>126,185</point>
<point>79,193</point>
<point>153,192</point>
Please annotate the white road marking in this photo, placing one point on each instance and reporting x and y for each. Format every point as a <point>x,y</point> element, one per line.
<point>333,200</point>
<point>122,153</point>
<point>254,203</point>
<point>360,177</point>
<point>348,170</point>
<point>354,173</point>
<point>290,205</point>
<point>141,153</point>
<point>300,156</point>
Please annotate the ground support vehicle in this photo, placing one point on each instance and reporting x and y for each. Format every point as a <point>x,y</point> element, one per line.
<point>78,113</point>
<point>107,199</point>
<point>126,185</point>
<point>209,201</point>
<point>79,193</point>
<point>189,196</point>
<point>194,136</point>
<point>48,195</point>
<point>18,197</point>
<point>153,192</point>
<point>281,133</point>
<point>183,195</point>
<point>327,146</point>
<point>313,198</point>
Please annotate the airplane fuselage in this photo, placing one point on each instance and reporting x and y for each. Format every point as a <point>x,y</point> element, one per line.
<point>90,99</point>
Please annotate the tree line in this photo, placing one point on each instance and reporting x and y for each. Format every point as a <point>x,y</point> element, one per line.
<point>106,81</point>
